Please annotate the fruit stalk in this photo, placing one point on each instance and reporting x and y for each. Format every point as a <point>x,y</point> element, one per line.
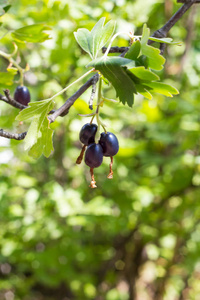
<point>80,158</point>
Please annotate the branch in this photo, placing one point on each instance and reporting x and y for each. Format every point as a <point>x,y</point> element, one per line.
<point>64,109</point>
<point>9,100</point>
<point>162,32</point>
<point>115,49</point>
<point>183,1</point>
<point>15,136</point>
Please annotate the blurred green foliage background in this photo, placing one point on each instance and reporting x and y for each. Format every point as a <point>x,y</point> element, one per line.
<point>136,236</point>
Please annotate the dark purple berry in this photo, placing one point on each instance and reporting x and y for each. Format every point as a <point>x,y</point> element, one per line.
<point>22,95</point>
<point>87,134</point>
<point>94,155</point>
<point>109,144</point>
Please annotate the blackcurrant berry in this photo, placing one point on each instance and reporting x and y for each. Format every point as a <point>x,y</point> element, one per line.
<point>22,95</point>
<point>87,134</point>
<point>94,155</point>
<point>109,144</point>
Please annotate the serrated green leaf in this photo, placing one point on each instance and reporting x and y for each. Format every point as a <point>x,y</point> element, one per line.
<point>134,51</point>
<point>37,149</point>
<point>33,134</point>
<point>92,41</point>
<point>144,74</point>
<point>144,92</point>
<point>6,78</point>
<point>161,88</point>
<point>164,40</point>
<point>155,60</point>
<point>32,34</point>
<point>44,143</point>
<point>39,135</point>
<point>114,68</point>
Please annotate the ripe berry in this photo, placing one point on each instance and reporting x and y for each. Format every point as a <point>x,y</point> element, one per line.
<point>94,155</point>
<point>87,134</point>
<point>22,95</point>
<point>109,144</point>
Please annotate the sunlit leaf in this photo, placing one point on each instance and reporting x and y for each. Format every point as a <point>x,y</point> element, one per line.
<point>12,70</point>
<point>161,88</point>
<point>155,60</point>
<point>92,41</point>
<point>134,50</point>
<point>144,92</point>
<point>39,136</point>
<point>6,78</point>
<point>144,74</point>
<point>164,40</point>
<point>32,33</point>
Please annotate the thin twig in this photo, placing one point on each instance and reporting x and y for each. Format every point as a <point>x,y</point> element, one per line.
<point>162,32</point>
<point>115,49</point>
<point>64,109</point>
<point>183,1</point>
<point>190,35</point>
<point>15,136</point>
<point>9,100</point>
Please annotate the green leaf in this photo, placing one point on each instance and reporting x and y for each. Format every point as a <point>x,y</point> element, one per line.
<point>12,70</point>
<point>4,6</point>
<point>32,33</point>
<point>155,60</point>
<point>134,50</point>
<point>144,92</point>
<point>44,143</point>
<point>144,74</point>
<point>142,60</point>
<point>114,68</point>
<point>6,78</point>
<point>164,40</point>
<point>39,136</point>
<point>92,41</point>
<point>100,35</point>
<point>82,37</point>
<point>161,88</point>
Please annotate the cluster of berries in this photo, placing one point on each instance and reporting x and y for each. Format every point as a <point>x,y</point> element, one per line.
<point>22,95</point>
<point>107,146</point>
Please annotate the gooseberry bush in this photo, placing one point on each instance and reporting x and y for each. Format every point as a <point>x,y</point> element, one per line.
<point>133,72</point>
